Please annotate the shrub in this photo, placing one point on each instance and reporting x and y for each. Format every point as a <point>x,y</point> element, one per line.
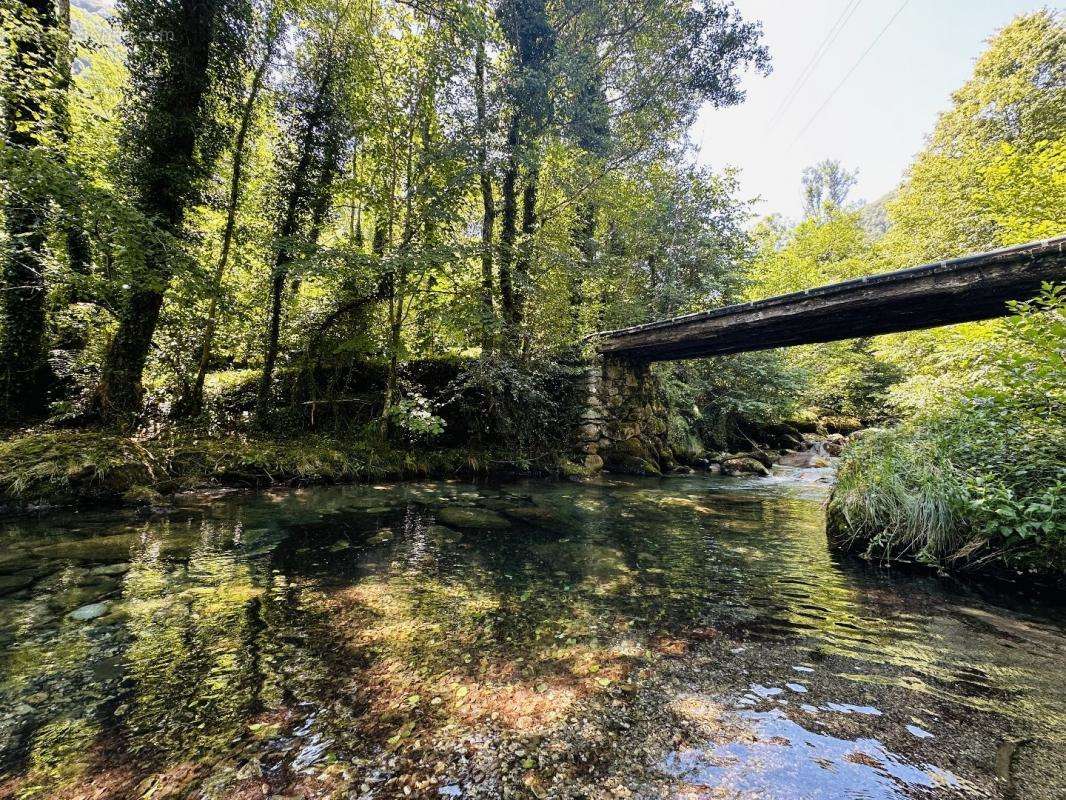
<point>526,414</point>
<point>981,479</point>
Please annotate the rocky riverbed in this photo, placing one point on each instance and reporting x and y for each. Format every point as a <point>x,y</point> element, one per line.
<point>689,637</point>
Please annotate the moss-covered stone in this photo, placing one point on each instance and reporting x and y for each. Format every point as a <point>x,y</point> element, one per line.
<point>465,517</point>
<point>744,465</point>
<point>534,515</point>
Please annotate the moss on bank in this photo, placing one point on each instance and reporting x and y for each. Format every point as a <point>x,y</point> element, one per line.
<point>327,424</point>
<point>89,466</point>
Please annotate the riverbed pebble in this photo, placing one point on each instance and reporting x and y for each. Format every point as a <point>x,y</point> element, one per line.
<point>89,612</point>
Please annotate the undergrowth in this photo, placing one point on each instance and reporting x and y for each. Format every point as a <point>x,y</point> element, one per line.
<point>980,481</point>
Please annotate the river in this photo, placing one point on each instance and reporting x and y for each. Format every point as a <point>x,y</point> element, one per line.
<point>625,638</point>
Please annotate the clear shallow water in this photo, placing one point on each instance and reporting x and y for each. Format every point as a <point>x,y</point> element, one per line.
<point>687,638</point>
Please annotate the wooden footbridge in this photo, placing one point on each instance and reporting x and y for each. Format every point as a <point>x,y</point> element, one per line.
<point>963,289</point>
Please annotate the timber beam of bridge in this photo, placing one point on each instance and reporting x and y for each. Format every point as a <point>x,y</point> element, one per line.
<point>973,287</point>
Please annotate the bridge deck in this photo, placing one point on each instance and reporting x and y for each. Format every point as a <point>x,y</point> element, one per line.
<point>963,289</point>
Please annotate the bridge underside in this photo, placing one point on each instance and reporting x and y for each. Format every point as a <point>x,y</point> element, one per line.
<point>960,290</point>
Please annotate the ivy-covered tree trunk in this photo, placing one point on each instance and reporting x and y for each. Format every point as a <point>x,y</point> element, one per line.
<point>584,235</point>
<point>591,126</point>
<point>488,203</point>
<point>281,272</point>
<point>532,40</point>
<point>194,402</point>
<point>509,227</point>
<point>524,261</point>
<point>24,355</point>
<point>167,139</point>
<point>79,247</point>
<point>299,194</point>
<point>26,374</point>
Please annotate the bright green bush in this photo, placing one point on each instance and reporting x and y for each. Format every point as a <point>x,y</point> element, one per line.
<point>981,480</point>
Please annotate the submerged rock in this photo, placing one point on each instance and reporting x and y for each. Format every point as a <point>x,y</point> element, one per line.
<point>111,569</point>
<point>533,515</point>
<point>472,518</point>
<point>89,612</point>
<point>112,548</point>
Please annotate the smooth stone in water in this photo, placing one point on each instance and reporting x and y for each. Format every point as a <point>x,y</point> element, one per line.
<point>111,569</point>
<point>475,518</point>
<point>89,612</point>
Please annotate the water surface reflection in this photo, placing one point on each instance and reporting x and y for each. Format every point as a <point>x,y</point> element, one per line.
<point>630,638</point>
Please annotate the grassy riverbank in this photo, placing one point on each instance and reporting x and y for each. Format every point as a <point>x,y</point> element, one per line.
<point>913,494</point>
<point>971,490</point>
<point>978,480</point>
<point>89,466</point>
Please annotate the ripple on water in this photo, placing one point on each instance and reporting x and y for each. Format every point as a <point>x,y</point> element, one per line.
<point>785,761</point>
<point>347,624</point>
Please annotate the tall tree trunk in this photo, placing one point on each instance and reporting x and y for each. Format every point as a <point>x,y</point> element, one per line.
<point>79,247</point>
<point>509,227</point>
<point>584,235</point>
<point>488,203</point>
<point>523,274</point>
<point>270,358</point>
<point>398,288</point>
<point>525,255</point>
<point>355,217</point>
<point>169,152</point>
<point>298,193</point>
<point>26,374</point>
<point>194,402</point>
<point>396,300</point>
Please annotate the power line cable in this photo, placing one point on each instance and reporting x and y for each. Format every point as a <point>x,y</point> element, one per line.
<point>820,52</point>
<point>854,67</point>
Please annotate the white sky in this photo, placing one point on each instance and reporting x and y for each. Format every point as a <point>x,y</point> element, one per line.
<point>878,119</point>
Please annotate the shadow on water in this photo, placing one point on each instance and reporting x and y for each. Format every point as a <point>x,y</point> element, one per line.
<point>624,638</point>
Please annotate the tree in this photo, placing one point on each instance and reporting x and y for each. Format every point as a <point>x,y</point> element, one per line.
<point>532,41</point>
<point>632,77</point>
<point>991,174</point>
<point>495,161</point>
<point>825,188</point>
<point>316,139</point>
<point>182,56</point>
<point>272,31</point>
<point>845,377</point>
<point>30,83</point>
<point>488,198</point>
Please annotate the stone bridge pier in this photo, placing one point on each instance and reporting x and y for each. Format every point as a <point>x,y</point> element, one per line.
<point>625,423</point>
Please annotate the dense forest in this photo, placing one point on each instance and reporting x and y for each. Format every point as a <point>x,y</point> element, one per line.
<point>347,238</point>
